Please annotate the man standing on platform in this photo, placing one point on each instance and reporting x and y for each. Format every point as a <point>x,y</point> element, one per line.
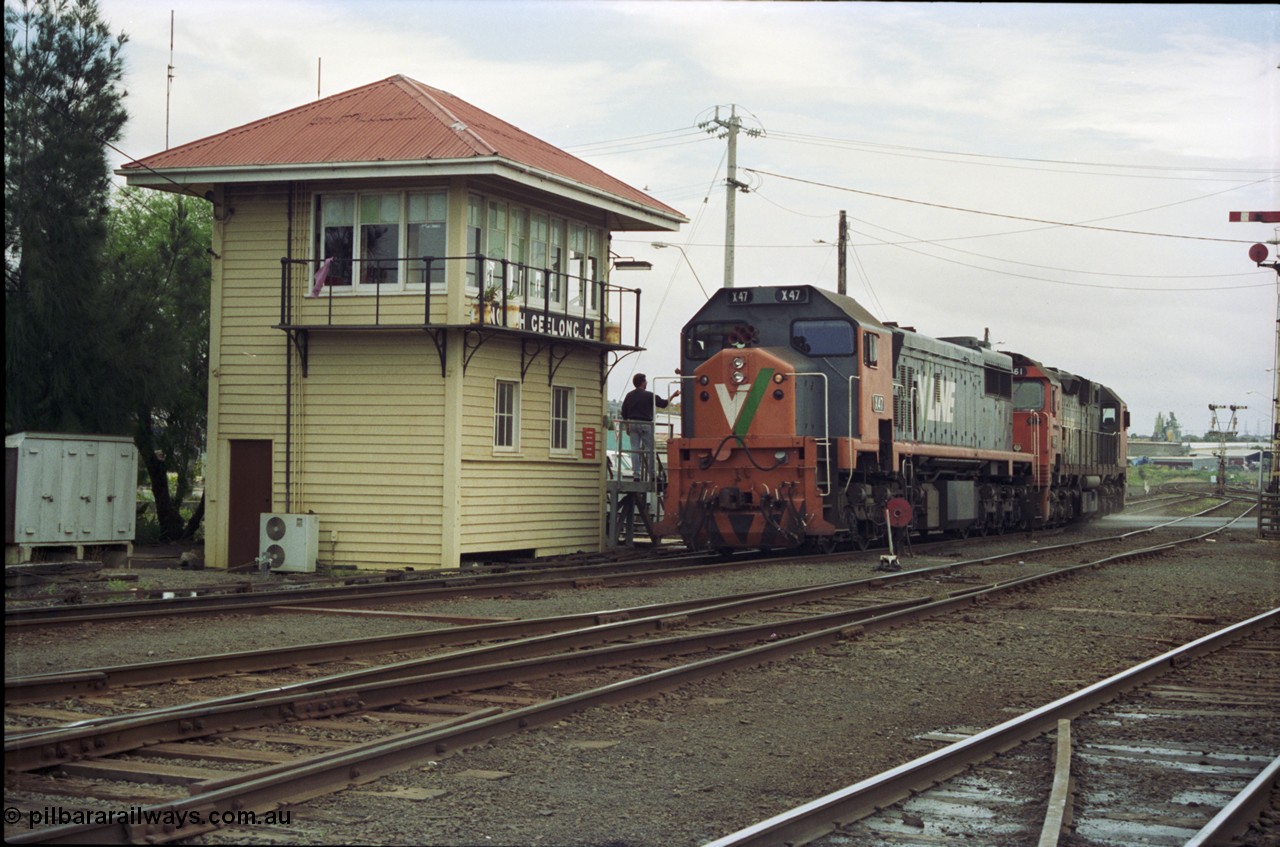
<point>637,411</point>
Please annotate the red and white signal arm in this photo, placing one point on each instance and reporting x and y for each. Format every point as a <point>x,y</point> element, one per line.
<point>1253,217</point>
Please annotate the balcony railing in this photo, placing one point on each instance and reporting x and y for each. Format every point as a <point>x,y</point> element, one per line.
<point>401,293</point>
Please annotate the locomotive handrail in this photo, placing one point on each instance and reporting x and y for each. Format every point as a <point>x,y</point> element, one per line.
<point>853,433</point>
<point>1034,420</point>
<point>855,397</point>
<point>826,429</point>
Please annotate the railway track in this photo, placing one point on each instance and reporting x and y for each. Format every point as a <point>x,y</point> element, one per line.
<point>381,591</point>
<point>361,591</point>
<point>905,586</point>
<point>527,700</point>
<point>1181,749</point>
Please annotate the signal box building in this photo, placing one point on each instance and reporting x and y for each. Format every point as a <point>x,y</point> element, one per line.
<point>411,329</point>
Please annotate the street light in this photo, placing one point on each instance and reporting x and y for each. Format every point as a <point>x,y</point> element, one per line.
<point>630,264</point>
<point>659,245</point>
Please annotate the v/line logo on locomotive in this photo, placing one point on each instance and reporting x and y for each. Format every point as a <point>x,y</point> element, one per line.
<point>740,407</point>
<point>939,405</point>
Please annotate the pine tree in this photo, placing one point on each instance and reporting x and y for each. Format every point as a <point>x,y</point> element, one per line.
<point>62,106</point>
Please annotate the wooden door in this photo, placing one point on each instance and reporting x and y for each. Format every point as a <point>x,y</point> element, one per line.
<point>249,497</point>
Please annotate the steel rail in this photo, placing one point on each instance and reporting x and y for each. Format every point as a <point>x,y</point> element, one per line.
<point>430,587</point>
<point>826,814</point>
<point>435,587</point>
<point>37,687</point>
<point>1244,809</point>
<point>345,692</point>
<point>417,679</point>
<point>259,790</point>
<point>348,691</point>
<point>313,777</point>
<point>106,735</point>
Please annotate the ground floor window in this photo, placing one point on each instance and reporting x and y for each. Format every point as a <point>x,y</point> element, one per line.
<point>561,419</point>
<point>506,415</point>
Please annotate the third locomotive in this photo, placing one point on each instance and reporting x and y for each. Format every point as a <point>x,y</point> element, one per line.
<point>807,422</point>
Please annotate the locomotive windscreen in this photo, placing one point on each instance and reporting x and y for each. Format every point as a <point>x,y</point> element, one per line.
<point>1028,395</point>
<point>704,340</point>
<point>823,337</point>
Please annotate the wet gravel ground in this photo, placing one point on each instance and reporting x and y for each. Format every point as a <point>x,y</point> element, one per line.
<point>709,758</point>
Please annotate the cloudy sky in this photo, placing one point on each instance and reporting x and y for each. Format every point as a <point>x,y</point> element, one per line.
<point>1057,175</point>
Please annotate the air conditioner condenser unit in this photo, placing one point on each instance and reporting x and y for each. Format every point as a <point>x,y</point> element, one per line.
<point>290,542</point>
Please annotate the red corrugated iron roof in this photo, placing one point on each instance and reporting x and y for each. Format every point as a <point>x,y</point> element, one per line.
<point>395,120</point>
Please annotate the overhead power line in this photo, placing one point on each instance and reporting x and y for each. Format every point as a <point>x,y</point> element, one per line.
<point>849,190</point>
<point>1110,287</point>
<point>986,159</point>
<point>637,143</point>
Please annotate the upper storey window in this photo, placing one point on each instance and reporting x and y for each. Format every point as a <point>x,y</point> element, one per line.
<point>380,240</point>
<point>549,261</point>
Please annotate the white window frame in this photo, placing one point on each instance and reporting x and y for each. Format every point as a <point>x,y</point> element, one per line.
<point>494,245</point>
<point>539,258</point>
<point>319,239</point>
<point>365,269</point>
<point>506,416</point>
<point>476,209</point>
<point>573,255</point>
<point>563,424</point>
<point>557,264</point>
<point>417,278</point>
<point>408,274</point>
<point>517,251</point>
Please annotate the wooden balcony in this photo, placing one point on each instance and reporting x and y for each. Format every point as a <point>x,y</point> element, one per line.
<point>538,305</point>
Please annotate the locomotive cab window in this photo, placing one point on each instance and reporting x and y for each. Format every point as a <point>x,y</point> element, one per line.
<point>823,337</point>
<point>870,349</point>
<point>1028,395</point>
<point>704,340</point>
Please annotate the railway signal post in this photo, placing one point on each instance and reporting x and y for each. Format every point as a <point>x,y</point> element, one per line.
<point>1269,497</point>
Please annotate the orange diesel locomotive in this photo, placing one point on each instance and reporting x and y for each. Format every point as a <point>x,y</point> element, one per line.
<point>807,422</point>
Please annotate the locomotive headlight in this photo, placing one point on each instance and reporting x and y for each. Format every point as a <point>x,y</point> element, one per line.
<point>779,378</point>
<point>780,456</point>
<point>738,363</point>
<point>703,380</point>
<point>738,377</point>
